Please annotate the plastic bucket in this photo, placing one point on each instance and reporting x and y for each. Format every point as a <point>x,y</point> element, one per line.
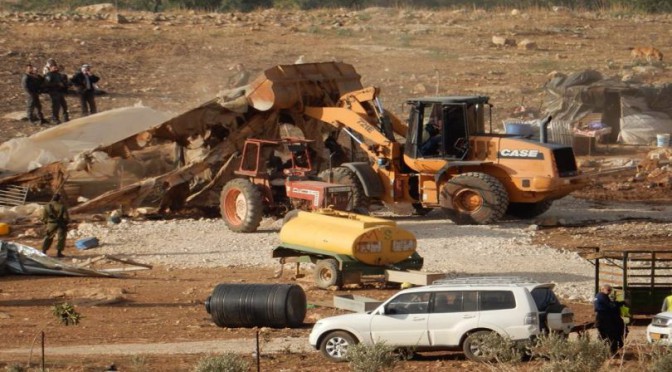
<point>518,129</point>
<point>663,140</point>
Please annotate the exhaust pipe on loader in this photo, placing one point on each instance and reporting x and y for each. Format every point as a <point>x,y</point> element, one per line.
<point>543,128</point>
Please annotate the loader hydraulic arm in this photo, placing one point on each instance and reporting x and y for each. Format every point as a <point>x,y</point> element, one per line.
<point>360,112</point>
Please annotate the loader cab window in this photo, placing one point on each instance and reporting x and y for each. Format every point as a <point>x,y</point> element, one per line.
<point>456,141</point>
<point>432,136</point>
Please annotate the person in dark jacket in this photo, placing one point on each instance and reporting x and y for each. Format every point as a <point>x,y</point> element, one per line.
<point>608,319</point>
<point>32,85</point>
<point>56,218</point>
<point>84,80</point>
<point>56,85</point>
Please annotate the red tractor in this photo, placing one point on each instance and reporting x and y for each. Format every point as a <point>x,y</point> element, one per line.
<point>270,186</point>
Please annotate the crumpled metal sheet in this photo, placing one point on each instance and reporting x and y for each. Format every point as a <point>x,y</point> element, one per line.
<point>17,258</point>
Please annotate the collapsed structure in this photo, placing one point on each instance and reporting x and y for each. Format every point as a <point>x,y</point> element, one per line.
<point>179,161</point>
<point>441,157</point>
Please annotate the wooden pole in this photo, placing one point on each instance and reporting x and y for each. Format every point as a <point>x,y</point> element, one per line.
<point>43,369</point>
<point>258,359</point>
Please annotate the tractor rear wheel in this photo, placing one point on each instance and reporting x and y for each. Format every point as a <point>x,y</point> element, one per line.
<point>474,198</point>
<point>529,210</point>
<point>240,205</point>
<point>345,176</point>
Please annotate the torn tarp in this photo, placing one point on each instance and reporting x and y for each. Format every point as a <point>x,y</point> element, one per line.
<point>17,258</point>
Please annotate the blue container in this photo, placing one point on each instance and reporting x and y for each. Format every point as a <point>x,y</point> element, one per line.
<point>86,243</point>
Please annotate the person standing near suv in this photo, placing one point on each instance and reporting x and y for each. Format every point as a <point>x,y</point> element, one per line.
<point>608,319</point>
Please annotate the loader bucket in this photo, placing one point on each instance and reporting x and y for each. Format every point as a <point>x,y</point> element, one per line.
<point>307,84</point>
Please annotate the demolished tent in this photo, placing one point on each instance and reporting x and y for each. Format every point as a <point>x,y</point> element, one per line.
<point>21,259</point>
<point>187,159</point>
<point>586,102</point>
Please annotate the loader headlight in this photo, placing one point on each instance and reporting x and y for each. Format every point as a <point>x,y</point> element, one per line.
<point>403,245</point>
<point>369,247</point>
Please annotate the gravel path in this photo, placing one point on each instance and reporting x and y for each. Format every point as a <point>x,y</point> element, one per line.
<point>502,249</point>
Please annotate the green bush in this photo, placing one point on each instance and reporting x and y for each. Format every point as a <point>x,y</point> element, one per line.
<point>371,358</point>
<point>228,362</point>
<point>564,355</point>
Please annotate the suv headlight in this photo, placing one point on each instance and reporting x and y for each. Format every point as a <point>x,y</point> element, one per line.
<point>531,319</point>
<point>660,321</point>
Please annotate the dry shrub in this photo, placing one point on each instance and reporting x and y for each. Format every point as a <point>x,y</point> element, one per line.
<point>371,358</point>
<point>661,359</point>
<point>501,349</point>
<point>228,362</point>
<point>563,355</point>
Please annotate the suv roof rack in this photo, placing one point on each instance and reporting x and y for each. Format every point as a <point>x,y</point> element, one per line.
<point>485,280</point>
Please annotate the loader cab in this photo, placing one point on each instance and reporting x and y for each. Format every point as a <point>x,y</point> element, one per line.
<point>439,127</point>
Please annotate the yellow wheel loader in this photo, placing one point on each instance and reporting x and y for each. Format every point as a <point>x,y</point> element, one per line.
<point>441,156</point>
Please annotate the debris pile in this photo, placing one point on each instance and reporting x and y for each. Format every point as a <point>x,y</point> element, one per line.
<point>656,169</point>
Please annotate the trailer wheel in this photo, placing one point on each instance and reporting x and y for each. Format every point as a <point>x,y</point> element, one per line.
<point>474,198</point>
<point>327,274</point>
<point>240,205</point>
<point>345,176</point>
<point>529,210</point>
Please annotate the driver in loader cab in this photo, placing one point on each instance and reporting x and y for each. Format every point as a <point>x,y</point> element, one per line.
<point>433,132</point>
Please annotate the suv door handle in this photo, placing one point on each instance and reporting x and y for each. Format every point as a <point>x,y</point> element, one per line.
<point>417,319</point>
<point>468,316</point>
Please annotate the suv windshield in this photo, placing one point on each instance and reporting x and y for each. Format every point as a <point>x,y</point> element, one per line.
<point>544,297</point>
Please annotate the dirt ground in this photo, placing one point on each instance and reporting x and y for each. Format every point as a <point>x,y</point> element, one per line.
<point>182,60</point>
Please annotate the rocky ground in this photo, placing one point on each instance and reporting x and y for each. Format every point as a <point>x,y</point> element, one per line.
<point>176,61</point>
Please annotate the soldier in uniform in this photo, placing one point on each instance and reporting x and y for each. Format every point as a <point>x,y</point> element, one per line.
<point>32,85</point>
<point>56,218</point>
<point>56,86</point>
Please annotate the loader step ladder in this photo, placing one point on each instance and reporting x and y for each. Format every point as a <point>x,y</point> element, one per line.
<point>12,195</point>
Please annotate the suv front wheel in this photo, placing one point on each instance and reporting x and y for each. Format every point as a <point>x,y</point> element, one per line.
<point>335,345</point>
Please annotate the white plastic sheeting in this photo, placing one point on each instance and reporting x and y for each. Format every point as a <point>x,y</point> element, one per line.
<point>65,141</point>
<point>639,126</point>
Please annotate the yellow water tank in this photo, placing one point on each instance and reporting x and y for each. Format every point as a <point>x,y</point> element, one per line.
<point>4,229</point>
<point>370,240</point>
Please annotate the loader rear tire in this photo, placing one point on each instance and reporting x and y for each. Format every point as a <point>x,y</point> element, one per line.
<point>474,198</point>
<point>240,205</point>
<point>345,176</point>
<point>529,210</point>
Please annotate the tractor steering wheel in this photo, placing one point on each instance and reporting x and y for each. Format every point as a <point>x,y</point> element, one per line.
<point>461,145</point>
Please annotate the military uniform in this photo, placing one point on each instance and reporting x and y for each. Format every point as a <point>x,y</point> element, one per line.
<point>56,218</point>
<point>32,85</point>
<point>56,85</point>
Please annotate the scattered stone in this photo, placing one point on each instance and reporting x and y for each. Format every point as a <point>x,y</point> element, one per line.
<point>502,41</point>
<point>527,44</point>
<point>96,8</point>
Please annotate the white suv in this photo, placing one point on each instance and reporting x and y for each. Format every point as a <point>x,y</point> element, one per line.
<point>660,329</point>
<point>451,315</point>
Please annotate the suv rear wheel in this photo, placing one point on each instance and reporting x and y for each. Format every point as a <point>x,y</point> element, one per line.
<point>335,345</point>
<point>475,347</point>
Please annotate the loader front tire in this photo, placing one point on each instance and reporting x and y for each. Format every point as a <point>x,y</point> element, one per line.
<point>241,206</point>
<point>529,210</point>
<point>474,198</point>
<point>345,176</point>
